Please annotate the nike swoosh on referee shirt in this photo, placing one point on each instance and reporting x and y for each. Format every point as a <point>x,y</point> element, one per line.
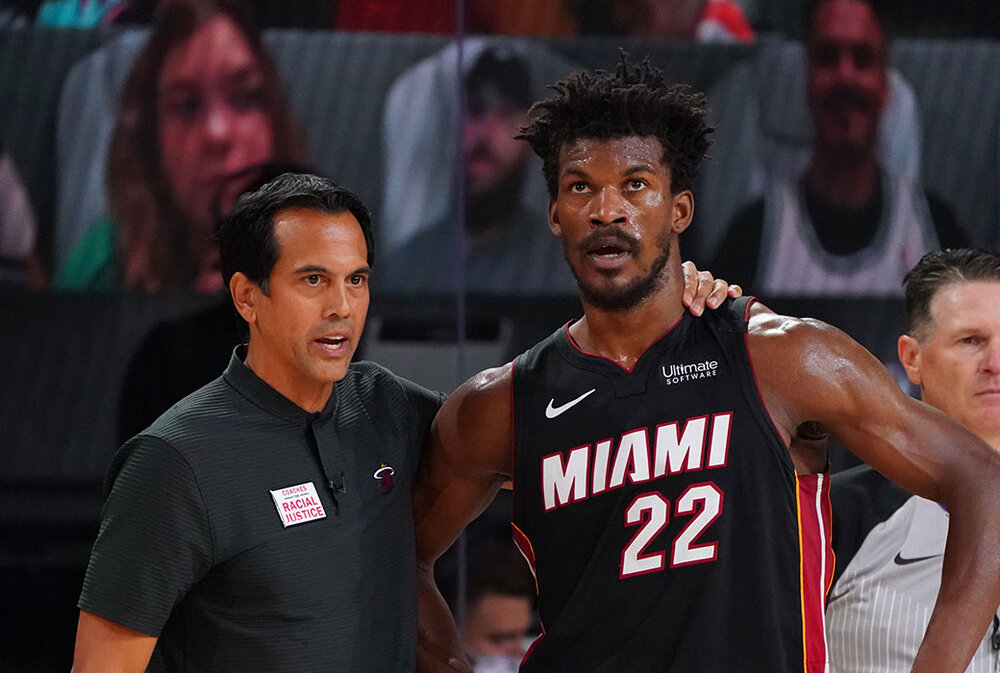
<point>900,561</point>
<point>553,411</point>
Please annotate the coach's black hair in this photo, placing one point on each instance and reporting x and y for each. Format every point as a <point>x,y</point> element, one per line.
<point>937,269</point>
<point>246,238</point>
<point>634,100</point>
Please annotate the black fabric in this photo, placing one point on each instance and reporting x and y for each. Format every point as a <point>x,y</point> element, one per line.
<point>192,546</point>
<point>949,233</point>
<point>737,611</point>
<point>176,358</point>
<point>843,231</point>
<point>861,499</point>
<point>739,251</point>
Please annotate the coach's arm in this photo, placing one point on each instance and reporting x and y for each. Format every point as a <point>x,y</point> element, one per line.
<point>104,646</point>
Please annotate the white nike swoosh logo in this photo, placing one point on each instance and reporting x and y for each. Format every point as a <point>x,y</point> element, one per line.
<point>552,412</point>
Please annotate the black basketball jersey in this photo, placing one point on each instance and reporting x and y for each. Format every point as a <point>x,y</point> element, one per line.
<point>661,512</point>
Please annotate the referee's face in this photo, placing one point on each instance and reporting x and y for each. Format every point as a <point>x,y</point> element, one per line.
<point>305,330</point>
<point>957,364</point>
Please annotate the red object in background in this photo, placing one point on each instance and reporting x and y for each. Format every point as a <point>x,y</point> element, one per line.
<point>396,16</point>
<point>729,18</point>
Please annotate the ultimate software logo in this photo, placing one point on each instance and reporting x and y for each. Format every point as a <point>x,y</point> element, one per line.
<point>671,374</point>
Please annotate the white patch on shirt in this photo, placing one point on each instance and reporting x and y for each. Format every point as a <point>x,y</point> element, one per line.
<point>298,504</point>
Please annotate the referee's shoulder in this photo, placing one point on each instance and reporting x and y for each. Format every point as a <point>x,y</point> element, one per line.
<point>861,499</point>
<point>863,479</point>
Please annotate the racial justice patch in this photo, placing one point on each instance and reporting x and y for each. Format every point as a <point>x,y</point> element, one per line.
<point>298,504</point>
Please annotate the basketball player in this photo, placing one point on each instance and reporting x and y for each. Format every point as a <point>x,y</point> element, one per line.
<point>666,491</point>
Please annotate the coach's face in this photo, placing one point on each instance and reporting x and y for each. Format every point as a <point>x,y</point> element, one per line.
<point>957,363</point>
<point>617,217</point>
<point>305,329</point>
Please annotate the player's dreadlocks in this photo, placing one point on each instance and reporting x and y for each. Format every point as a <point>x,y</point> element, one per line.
<point>633,100</point>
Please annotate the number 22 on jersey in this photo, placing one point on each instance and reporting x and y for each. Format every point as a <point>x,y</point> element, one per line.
<point>651,512</point>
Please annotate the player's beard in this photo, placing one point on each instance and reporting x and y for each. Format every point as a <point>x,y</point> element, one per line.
<point>634,293</point>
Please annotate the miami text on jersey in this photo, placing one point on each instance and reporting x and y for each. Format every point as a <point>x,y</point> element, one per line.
<point>585,469</point>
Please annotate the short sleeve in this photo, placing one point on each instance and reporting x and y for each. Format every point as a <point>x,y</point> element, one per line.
<point>155,540</point>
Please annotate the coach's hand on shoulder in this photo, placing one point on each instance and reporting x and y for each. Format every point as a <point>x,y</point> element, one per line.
<point>702,289</point>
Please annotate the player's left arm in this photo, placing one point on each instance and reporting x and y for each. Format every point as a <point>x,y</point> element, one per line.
<point>809,371</point>
<point>468,457</point>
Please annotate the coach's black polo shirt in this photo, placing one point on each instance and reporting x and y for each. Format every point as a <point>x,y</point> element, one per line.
<point>194,546</point>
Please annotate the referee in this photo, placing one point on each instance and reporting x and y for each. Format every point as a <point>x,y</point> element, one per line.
<point>890,543</point>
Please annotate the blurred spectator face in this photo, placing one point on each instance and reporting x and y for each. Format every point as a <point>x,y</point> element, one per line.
<point>212,117</point>
<point>493,158</point>
<point>497,625</point>
<point>957,364</point>
<point>848,79</point>
<point>673,19</point>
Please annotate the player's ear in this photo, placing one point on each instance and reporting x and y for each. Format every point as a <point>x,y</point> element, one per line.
<point>909,356</point>
<point>683,211</point>
<point>245,294</point>
<point>554,225</point>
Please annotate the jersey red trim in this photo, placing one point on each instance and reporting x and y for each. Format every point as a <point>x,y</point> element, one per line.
<point>524,545</point>
<point>815,566</point>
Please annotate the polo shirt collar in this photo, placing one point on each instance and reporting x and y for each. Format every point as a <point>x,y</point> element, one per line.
<point>258,391</point>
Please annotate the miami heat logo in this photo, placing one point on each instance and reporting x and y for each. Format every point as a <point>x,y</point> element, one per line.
<point>384,475</point>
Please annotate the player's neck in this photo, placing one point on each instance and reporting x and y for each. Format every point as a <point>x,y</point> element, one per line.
<point>623,336</point>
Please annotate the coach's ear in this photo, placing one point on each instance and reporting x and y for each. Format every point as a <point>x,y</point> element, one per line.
<point>554,225</point>
<point>246,295</point>
<point>908,349</point>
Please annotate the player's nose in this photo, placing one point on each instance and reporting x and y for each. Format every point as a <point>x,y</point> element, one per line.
<point>607,207</point>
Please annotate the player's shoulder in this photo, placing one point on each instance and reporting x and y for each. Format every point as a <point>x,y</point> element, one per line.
<point>770,330</point>
<point>482,401</point>
<point>765,322</point>
<point>476,419</point>
<point>486,386</point>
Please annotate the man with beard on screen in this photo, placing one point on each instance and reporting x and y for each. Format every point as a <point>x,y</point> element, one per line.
<point>847,225</point>
<point>503,247</point>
